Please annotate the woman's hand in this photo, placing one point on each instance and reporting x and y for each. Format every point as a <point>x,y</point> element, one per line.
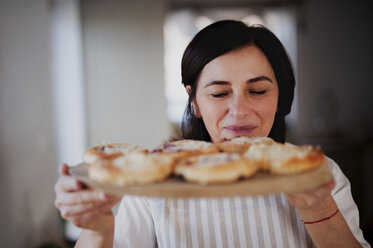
<point>319,212</point>
<point>312,199</point>
<point>85,208</point>
<point>315,203</point>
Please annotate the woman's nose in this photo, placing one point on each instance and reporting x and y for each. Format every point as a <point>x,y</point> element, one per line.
<point>239,106</point>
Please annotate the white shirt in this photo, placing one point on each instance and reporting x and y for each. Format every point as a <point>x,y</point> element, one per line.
<point>255,221</point>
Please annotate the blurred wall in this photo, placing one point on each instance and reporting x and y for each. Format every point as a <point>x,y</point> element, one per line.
<point>123,54</point>
<point>335,61</point>
<point>335,85</point>
<point>27,137</point>
<point>123,67</point>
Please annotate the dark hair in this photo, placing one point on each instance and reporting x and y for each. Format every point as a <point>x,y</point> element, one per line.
<point>222,37</point>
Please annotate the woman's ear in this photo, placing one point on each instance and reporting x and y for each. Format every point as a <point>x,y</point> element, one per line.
<point>188,89</point>
<point>196,112</point>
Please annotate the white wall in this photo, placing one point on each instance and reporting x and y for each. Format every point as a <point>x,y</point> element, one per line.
<point>28,161</point>
<point>68,81</point>
<point>123,52</point>
<point>123,66</point>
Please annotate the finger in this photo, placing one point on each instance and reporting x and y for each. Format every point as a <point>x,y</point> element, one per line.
<point>73,210</point>
<point>302,199</point>
<point>80,198</point>
<point>67,184</point>
<point>69,212</point>
<point>64,170</point>
<point>113,197</point>
<point>322,190</point>
<point>309,195</point>
<point>76,210</point>
<point>309,198</point>
<point>329,186</point>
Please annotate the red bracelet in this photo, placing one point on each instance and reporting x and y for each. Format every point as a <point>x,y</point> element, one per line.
<point>321,220</point>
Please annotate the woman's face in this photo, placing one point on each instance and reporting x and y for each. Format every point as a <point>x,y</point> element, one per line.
<point>237,95</point>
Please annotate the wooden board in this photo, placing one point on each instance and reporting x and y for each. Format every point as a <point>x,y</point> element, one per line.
<point>260,184</point>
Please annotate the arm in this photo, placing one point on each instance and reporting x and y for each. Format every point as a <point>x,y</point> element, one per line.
<point>332,232</point>
<point>319,204</point>
<point>87,209</point>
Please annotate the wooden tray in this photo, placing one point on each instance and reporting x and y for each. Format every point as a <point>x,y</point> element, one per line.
<point>259,184</point>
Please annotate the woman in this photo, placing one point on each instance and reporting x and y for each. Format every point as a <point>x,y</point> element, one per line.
<point>240,83</point>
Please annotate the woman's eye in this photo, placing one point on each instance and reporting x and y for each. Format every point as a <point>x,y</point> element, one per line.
<point>219,95</point>
<point>257,92</point>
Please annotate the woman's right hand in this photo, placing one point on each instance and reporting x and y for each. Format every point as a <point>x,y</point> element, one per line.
<point>85,208</point>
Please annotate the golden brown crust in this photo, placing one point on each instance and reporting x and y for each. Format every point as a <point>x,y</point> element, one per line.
<point>107,151</point>
<point>136,168</point>
<point>280,158</point>
<point>185,148</point>
<point>199,161</point>
<point>214,168</point>
<point>312,160</point>
<point>241,144</point>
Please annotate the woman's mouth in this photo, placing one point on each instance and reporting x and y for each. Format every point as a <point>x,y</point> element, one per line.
<point>240,130</point>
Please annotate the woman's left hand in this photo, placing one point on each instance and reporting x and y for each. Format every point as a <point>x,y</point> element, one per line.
<point>316,208</point>
<point>312,199</point>
<point>316,201</point>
